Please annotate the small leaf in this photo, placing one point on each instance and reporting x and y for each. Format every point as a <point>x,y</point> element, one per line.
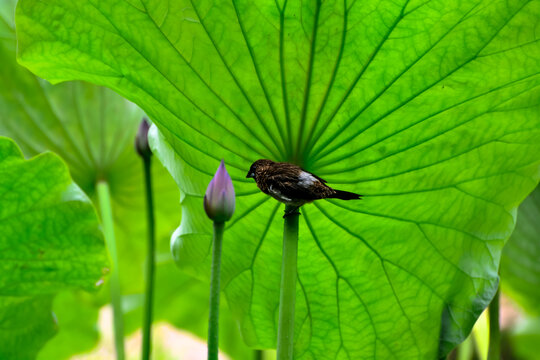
<point>51,241</point>
<point>77,316</point>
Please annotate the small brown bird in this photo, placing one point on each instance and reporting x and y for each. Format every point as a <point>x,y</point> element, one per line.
<point>292,185</point>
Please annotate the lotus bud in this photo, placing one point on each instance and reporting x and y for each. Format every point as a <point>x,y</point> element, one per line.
<point>219,200</point>
<point>141,140</point>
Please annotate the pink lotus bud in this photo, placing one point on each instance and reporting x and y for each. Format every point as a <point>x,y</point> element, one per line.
<point>219,200</point>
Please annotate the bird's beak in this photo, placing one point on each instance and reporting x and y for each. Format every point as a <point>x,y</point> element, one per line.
<point>250,175</point>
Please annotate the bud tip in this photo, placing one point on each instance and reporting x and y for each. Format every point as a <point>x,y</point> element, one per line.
<point>141,140</point>
<point>219,200</point>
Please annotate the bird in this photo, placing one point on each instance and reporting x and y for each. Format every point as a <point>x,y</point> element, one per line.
<point>290,184</point>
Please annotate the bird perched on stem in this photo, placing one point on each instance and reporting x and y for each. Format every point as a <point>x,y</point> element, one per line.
<point>292,185</point>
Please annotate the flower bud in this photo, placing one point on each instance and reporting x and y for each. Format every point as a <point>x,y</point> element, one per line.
<point>219,200</point>
<point>141,140</point>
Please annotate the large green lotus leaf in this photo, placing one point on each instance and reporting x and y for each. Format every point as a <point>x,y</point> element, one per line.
<point>429,108</point>
<point>94,130</point>
<point>520,268</point>
<point>50,240</point>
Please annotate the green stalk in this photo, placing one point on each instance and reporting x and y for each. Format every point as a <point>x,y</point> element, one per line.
<point>465,349</point>
<point>258,354</point>
<point>104,198</point>
<point>494,352</point>
<point>150,262</point>
<point>287,296</point>
<point>213,318</point>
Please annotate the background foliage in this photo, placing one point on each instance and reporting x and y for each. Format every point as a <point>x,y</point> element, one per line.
<point>388,99</point>
<point>520,269</point>
<point>93,130</point>
<point>430,109</point>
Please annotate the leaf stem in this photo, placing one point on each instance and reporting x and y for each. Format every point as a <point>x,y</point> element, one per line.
<point>213,318</point>
<point>104,198</point>
<point>258,355</point>
<point>494,351</point>
<point>466,349</point>
<point>287,296</point>
<point>150,262</point>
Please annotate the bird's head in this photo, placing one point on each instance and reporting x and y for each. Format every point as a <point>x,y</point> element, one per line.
<point>258,167</point>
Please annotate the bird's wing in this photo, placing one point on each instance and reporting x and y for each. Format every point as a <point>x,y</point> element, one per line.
<point>316,177</point>
<point>298,184</point>
<point>296,168</point>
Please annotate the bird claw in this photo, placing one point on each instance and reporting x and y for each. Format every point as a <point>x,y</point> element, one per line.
<point>291,212</point>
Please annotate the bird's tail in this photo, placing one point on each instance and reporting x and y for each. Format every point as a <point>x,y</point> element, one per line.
<point>345,195</point>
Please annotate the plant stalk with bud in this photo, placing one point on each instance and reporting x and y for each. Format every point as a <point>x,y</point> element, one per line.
<point>219,204</point>
<point>143,149</point>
